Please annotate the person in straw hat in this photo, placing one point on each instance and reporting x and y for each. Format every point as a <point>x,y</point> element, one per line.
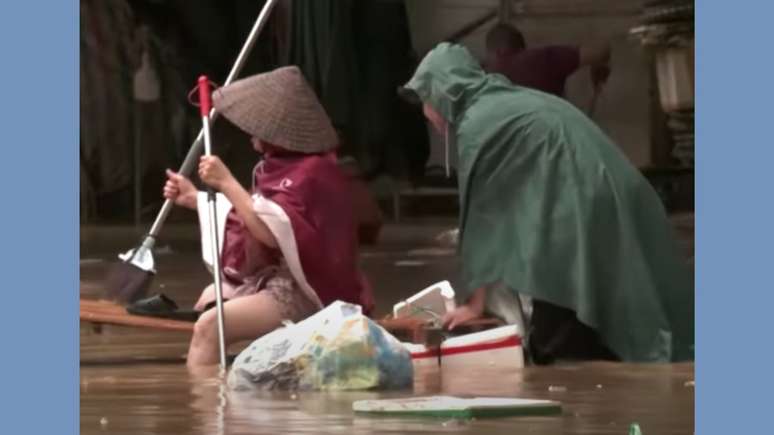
<point>289,245</point>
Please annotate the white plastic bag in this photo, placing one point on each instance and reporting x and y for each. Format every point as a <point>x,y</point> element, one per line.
<point>336,349</point>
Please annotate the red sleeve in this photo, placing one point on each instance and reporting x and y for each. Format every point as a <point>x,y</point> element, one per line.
<point>563,59</point>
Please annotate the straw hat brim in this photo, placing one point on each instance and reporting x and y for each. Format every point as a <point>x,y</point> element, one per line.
<point>280,108</point>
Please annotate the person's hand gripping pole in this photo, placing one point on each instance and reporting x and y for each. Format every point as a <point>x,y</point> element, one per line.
<point>205,104</point>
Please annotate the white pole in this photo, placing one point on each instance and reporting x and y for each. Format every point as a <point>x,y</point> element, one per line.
<point>205,105</point>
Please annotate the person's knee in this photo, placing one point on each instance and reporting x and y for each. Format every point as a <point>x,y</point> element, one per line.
<point>205,329</point>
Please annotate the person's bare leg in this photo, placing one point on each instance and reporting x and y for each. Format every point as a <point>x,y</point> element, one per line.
<point>247,317</point>
<point>208,295</point>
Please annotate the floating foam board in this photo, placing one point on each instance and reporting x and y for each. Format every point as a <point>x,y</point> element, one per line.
<point>455,407</point>
<point>438,298</point>
<point>422,356</point>
<point>499,347</point>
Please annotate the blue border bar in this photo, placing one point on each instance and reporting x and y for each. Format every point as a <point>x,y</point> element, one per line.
<point>734,217</point>
<point>39,220</point>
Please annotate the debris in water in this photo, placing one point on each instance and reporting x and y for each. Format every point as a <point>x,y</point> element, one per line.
<point>449,237</point>
<point>431,252</point>
<point>457,408</point>
<point>690,384</point>
<point>599,386</point>
<point>455,422</point>
<point>409,263</point>
<point>103,421</point>
<point>634,429</point>
<point>340,341</point>
<point>557,388</point>
<point>85,261</point>
<point>293,397</point>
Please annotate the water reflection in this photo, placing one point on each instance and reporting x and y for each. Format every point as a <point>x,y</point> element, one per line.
<point>598,398</point>
<point>120,398</point>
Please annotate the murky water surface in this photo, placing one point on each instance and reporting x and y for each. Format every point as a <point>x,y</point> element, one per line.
<point>597,399</point>
<point>122,395</point>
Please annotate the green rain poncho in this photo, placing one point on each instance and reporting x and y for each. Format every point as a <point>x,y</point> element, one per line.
<point>551,208</point>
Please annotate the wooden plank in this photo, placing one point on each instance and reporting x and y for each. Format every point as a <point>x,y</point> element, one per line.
<point>104,312</point>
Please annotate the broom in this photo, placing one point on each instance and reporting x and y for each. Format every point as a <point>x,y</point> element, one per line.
<point>129,279</point>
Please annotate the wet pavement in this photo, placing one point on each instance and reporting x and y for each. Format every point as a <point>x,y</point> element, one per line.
<point>120,394</point>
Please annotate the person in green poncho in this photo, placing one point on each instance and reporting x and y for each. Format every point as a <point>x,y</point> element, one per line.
<point>553,210</point>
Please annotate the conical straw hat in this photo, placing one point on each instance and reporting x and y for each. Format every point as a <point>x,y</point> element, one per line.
<point>278,107</point>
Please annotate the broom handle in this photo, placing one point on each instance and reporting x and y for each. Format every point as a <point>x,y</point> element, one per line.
<point>196,147</point>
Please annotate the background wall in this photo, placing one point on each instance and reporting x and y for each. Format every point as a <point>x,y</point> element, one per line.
<point>624,108</point>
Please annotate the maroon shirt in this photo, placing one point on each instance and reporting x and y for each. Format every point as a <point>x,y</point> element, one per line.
<point>544,68</point>
<point>316,196</point>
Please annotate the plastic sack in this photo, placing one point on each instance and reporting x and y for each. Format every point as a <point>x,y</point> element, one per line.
<point>338,348</point>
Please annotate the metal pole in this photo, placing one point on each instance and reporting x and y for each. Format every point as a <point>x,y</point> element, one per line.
<point>195,150</point>
<point>205,103</point>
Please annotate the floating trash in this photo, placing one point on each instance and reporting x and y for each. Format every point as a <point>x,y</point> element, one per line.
<point>86,261</point>
<point>410,263</point>
<point>557,388</point>
<point>431,252</point>
<point>457,408</point>
<point>449,237</point>
<point>337,348</point>
<point>455,422</point>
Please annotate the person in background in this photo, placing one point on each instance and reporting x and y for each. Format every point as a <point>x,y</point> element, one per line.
<point>551,208</point>
<point>543,68</point>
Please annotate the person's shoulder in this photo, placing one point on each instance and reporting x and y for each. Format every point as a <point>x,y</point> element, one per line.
<point>321,166</point>
<point>319,161</point>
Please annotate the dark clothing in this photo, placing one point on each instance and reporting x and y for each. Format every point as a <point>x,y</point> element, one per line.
<point>545,68</point>
<point>556,334</point>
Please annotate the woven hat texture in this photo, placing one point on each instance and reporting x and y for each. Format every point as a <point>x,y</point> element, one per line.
<point>278,107</point>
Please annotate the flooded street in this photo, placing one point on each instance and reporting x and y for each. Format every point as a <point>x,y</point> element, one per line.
<point>133,380</point>
<point>599,399</point>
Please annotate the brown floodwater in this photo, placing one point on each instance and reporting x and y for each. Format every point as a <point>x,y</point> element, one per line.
<point>133,380</point>
<point>597,398</point>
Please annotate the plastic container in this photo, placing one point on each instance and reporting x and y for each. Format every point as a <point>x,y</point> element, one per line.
<point>429,304</point>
